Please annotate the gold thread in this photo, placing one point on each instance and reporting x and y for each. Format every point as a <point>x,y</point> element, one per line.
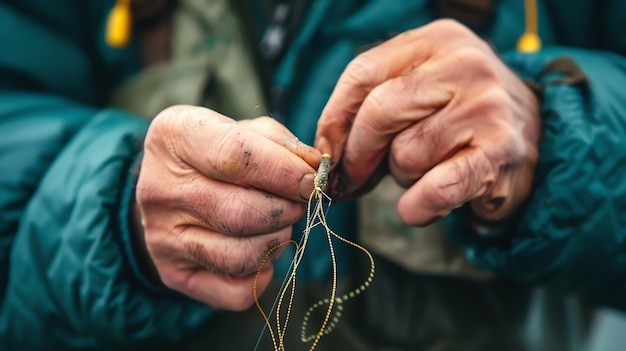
<point>254,287</point>
<point>314,212</point>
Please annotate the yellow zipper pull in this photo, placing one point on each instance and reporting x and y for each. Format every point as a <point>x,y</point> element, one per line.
<point>530,41</point>
<point>119,24</point>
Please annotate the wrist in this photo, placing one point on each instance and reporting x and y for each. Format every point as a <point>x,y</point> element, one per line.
<point>133,236</point>
<point>139,246</point>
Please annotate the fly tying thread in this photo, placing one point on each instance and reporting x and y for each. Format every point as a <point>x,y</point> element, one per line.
<point>315,216</point>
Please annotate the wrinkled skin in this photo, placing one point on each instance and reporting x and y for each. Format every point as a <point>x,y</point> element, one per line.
<point>214,195</point>
<point>434,106</point>
<point>452,122</point>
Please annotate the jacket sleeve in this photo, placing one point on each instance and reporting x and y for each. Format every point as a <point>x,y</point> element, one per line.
<point>69,275</point>
<point>571,235</point>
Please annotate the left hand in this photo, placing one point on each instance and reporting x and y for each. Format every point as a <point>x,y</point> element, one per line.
<point>456,124</point>
<point>214,195</point>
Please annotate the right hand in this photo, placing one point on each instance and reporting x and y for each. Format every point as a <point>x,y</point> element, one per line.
<point>449,120</point>
<point>215,195</point>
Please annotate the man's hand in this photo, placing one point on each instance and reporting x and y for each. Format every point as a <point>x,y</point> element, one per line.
<point>456,124</point>
<point>215,195</point>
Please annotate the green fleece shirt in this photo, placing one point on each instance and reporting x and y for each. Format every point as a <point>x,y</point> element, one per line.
<point>68,276</point>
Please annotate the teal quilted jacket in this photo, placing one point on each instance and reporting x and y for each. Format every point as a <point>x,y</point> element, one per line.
<point>68,278</point>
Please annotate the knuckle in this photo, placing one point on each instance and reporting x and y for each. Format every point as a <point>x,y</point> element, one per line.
<point>263,125</point>
<point>165,115</point>
<point>451,29</point>
<point>376,104</point>
<point>449,26</point>
<point>327,123</point>
<point>495,103</point>
<point>363,72</point>
<point>241,300</point>
<point>403,159</point>
<point>387,107</point>
<point>496,106</point>
<point>167,121</point>
<point>404,166</point>
<point>173,110</point>
<point>425,135</point>
<point>477,62</point>
<point>150,195</point>
<point>508,134</point>
<point>265,120</point>
<point>146,193</point>
<point>170,282</point>
<point>441,196</point>
<point>173,281</point>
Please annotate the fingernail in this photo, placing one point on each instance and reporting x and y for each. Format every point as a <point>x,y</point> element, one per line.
<point>306,186</point>
<point>492,205</point>
<point>323,145</point>
<point>288,141</point>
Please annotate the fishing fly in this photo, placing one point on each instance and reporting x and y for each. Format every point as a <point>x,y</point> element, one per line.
<point>315,216</point>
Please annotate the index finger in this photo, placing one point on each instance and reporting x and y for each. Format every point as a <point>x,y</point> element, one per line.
<point>219,148</point>
<point>335,127</point>
<point>370,69</point>
<point>278,133</point>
